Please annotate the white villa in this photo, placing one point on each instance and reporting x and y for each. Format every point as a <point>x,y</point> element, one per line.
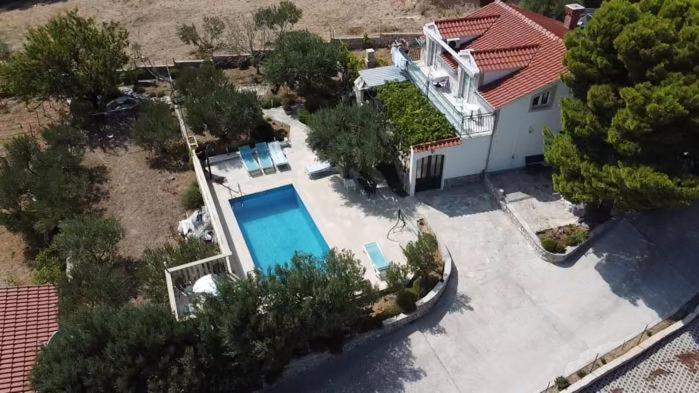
<point>495,75</point>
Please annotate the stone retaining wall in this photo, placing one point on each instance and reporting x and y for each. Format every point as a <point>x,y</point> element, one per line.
<point>571,254</point>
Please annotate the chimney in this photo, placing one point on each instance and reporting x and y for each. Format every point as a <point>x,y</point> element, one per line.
<point>573,12</point>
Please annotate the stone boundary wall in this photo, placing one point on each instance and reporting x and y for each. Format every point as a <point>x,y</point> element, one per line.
<point>382,40</point>
<point>631,354</point>
<point>570,254</point>
<point>424,305</point>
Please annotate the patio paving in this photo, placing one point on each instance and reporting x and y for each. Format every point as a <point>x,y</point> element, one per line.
<point>346,218</point>
<point>510,322</point>
<point>529,193</point>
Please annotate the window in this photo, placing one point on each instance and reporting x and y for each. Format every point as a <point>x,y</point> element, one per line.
<point>542,100</point>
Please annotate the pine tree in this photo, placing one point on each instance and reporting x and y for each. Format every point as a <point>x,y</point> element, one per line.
<point>630,137</point>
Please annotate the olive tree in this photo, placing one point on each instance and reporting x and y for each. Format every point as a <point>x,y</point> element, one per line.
<point>350,137</point>
<point>69,57</point>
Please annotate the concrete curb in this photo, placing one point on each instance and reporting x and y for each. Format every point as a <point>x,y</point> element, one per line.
<point>390,325</point>
<point>631,354</point>
<point>533,240</point>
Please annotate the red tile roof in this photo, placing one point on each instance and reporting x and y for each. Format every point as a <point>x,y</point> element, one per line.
<point>512,30</point>
<point>505,58</point>
<point>436,145</point>
<point>552,25</point>
<point>464,27</point>
<point>28,318</point>
<point>448,60</point>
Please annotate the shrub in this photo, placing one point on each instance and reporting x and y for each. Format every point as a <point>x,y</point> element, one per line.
<point>156,129</point>
<point>561,383</point>
<point>405,299</point>
<point>270,101</point>
<point>421,255</point>
<point>155,261</point>
<point>552,245</point>
<point>304,115</point>
<point>397,276</point>
<point>581,374</point>
<point>414,118</point>
<point>4,50</point>
<point>48,268</point>
<point>389,311</point>
<point>578,235</point>
<point>191,198</point>
<point>199,82</point>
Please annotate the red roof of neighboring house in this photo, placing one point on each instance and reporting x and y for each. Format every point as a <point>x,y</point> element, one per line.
<point>503,43</point>
<point>436,145</point>
<point>28,318</point>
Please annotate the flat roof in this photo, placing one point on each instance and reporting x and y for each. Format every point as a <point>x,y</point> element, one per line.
<point>379,76</point>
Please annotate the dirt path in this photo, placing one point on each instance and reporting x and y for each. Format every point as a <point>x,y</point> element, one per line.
<point>152,23</point>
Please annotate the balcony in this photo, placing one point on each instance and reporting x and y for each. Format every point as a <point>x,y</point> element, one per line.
<point>469,117</point>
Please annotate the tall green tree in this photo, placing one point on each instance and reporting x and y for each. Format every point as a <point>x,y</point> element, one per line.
<point>303,61</point>
<point>156,260</point>
<point>278,18</point>
<point>157,129</point>
<point>129,349</point>
<point>630,137</point>
<point>69,57</point>
<point>264,319</point>
<point>42,183</point>
<point>226,113</point>
<point>88,238</point>
<point>200,81</point>
<point>350,137</point>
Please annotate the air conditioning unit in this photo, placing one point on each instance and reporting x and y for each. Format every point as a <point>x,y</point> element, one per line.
<point>452,42</point>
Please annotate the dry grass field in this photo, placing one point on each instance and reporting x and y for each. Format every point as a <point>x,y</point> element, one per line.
<point>152,23</point>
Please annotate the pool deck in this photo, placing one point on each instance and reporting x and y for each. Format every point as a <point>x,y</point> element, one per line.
<point>346,218</point>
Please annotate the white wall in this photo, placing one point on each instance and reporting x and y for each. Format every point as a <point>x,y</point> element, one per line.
<point>519,131</point>
<point>465,159</point>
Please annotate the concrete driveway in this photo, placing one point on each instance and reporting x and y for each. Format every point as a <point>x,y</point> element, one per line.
<point>510,322</point>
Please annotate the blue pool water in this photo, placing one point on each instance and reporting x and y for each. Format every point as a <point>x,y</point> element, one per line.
<point>276,224</point>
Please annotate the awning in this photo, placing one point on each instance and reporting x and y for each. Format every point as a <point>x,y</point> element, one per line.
<point>374,77</point>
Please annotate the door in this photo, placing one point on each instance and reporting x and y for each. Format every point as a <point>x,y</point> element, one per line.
<point>429,172</point>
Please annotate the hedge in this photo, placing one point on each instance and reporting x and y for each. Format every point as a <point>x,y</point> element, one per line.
<point>414,118</point>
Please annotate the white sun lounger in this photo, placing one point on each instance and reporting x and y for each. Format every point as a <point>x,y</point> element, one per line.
<point>249,161</point>
<point>263,155</point>
<point>318,168</point>
<point>278,156</point>
<point>373,251</point>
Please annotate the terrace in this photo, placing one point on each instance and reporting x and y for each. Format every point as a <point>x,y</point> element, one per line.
<point>345,218</point>
<point>449,79</point>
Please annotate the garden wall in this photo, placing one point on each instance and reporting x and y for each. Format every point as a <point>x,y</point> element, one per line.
<point>382,40</point>
<point>570,254</point>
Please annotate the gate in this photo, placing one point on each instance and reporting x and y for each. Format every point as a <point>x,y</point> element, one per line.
<point>429,172</point>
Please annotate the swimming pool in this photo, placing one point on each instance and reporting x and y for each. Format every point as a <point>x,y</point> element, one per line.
<point>275,224</point>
